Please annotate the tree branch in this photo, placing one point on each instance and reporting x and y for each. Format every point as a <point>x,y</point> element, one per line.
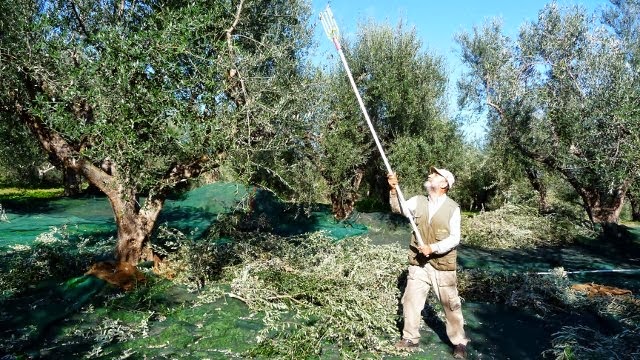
<point>121,8</point>
<point>55,145</point>
<point>76,13</point>
<point>495,107</point>
<point>58,148</point>
<point>180,172</point>
<point>234,75</point>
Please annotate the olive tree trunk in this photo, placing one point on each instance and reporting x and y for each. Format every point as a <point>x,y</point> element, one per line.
<point>135,222</point>
<point>634,201</point>
<point>72,182</point>
<point>343,201</point>
<point>535,179</point>
<point>604,208</point>
<point>135,225</point>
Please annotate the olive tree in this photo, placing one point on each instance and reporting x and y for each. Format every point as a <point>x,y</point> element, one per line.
<point>403,88</point>
<point>624,18</point>
<point>562,95</point>
<point>141,96</point>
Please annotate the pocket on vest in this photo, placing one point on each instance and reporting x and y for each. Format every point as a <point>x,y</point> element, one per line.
<point>442,234</point>
<point>446,261</point>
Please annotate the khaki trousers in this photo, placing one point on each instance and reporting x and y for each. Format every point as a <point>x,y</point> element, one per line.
<point>444,284</point>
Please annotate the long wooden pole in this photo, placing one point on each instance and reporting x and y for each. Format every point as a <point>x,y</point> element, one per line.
<point>331,28</point>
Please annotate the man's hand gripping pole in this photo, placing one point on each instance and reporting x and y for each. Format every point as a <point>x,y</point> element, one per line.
<point>332,31</point>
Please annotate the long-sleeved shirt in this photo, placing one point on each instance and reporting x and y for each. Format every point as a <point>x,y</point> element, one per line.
<point>434,204</point>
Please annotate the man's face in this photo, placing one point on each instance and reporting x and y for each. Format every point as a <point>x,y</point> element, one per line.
<point>434,182</point>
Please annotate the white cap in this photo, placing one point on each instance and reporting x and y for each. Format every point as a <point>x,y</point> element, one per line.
<point>446,174</point>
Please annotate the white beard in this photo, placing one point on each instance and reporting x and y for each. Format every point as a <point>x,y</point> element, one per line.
<point>429,187</point>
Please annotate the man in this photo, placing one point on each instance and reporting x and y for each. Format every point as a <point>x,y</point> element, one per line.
<point>433,265</point>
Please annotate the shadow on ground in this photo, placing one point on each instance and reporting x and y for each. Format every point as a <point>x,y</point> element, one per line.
<point>33,320</point>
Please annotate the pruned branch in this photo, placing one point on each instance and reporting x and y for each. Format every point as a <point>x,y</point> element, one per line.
<point>495,107</point>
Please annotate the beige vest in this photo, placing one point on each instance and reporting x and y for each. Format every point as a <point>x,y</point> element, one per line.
<point>433,232</point>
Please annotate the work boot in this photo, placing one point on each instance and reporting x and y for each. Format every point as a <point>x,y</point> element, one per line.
<point>406,344</point>
<point>460,352</point>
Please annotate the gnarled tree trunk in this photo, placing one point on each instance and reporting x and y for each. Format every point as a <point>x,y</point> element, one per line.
<point>634,201</point>
<point>343,202</point>
<point>604,208</point>
<point>135,222</point>
<point>72,182</point>
<point>135,225</point>
<point>535,179</point>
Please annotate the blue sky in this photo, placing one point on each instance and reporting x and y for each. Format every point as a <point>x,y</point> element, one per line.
<point>436,23</point>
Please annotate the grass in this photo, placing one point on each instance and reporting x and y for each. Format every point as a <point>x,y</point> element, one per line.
<point>20,193</point>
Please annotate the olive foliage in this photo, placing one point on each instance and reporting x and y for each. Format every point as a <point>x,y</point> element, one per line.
<point>564,94</point>
<point>139,97</point>
<point>403,88</point>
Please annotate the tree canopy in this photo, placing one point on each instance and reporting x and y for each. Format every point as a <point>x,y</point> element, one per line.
<point>141,96</point>
<point>564,94</point>
<point>403,88</point>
